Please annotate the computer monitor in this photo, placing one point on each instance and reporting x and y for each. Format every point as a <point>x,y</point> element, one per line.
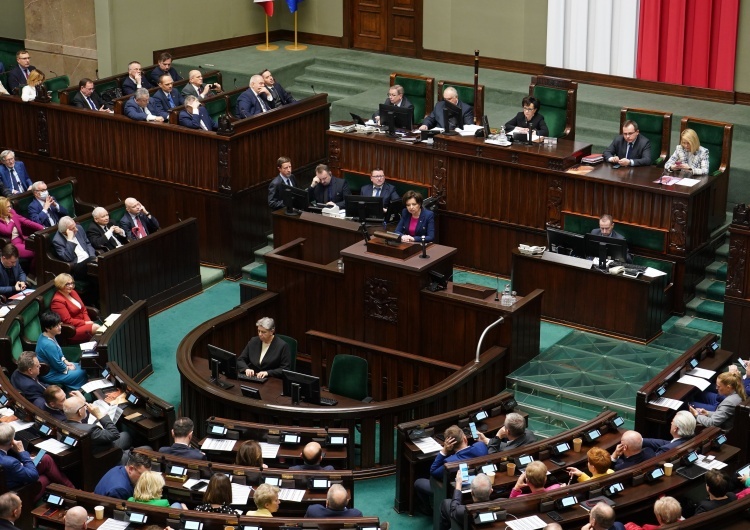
<point>451,117</point>
<point>396,118</point>
<point>364,209</point>
<point>605,247</point>
<point>222,362</point>
<point>567,243</point>
<point>296,200</point>
<point>394,211</point>
<point>309,386</point>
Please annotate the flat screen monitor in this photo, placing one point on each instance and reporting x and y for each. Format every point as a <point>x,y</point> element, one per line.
<point>396,118</point>
<point>296,200</point>
<point>222,362</point>
<point>394,211</point>
<point>567,243</point>
<point>605,247</point>
<point>309,386</point>
<point>451,117</point>
<point>364,209</point>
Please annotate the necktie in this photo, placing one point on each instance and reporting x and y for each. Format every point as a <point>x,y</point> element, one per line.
<point>627,151</point>
<point>286,181</point>
<point>141,230</point>
<point>377,192</point>
<point>26,73</point>
<point>262,103</point>
<point>91,104</point>
<point>18,181</point>
<point>169,99</point>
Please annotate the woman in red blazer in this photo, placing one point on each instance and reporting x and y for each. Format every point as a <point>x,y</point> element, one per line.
<point>67,303</point>
<point>16,227</point>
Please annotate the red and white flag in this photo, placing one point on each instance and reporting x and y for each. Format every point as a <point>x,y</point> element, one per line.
<point>267,6</point>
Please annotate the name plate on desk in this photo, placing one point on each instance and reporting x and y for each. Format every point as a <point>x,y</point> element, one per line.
<point>393,250</point>
<point>567,260</point>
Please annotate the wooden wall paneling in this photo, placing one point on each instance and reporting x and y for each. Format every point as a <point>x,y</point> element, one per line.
<point>369,25</point>
<point>128,342</point>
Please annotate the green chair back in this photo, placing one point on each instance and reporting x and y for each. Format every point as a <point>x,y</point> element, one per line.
<point>349,377</point>
<point>636,236</point>
<point>216,107</point>
<point>8,49</point>
<point>211,79</point>
<point>32,328</point>
<point>14,336</point>
<point>712,138</point>
<point>100,88</point>
<point>652,127</point>
<point>292,350</point>
<point>63,194</point>
<point>116,214</point>
<point>233,103</point>
<point>56,83</point>
<point>415,91</point>
<point>553,105</point>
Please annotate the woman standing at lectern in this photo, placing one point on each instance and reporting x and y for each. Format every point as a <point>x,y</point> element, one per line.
<point>265,355</point>
<point>416,222</point>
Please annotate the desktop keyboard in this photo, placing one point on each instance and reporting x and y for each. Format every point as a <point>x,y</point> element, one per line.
<point>251,378</point>
<point>639,268</point>
<point>328,401</point>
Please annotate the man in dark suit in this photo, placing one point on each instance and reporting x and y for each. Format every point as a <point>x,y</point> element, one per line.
<point>44,209</point>
<point>76,409</point>
<point>164,67</point>
<point>20,73</point>
<point>630,148</point>
<point>18,467</point>
<point>435,119</point>
<point>280,96</point>
<point>327,190</point>
<point>336,502</point>
<point>73,247</point>
<point>395,98</point>
<point>182,432</point>
<point>102,234</point>
<point>87,99</point>
<point>682,430</point>
<point>255,100</point>
<point>137,222</point>
<point>512,434</point>
<point>607,229</point>
<point>195,116</point>
<point>135,79</point>
<point>26,378</point>
<point>284,178</point>
<point>196,87</point>
<point>277,358</point>
<point>54,401</point>
<point>630,451</point>
<point>10,510</point>
<point>13,173</point>
<point>380,188</point>
<point>12,277</point>
<point>312,455</point>
<point>166,98</point>
<point>141,108</point>
<point>453,510</point>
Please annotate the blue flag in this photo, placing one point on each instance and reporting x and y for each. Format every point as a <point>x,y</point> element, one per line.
<point>292,5</point>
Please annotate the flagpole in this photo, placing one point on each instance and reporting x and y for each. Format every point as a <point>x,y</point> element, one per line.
<point>267,47</point>
<point>295,47</point>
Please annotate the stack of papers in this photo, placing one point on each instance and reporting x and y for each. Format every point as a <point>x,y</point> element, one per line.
<point>698,377</point>
<point>52,446</point>
<point>240,494</point>
<point>113,411</point>
<point>291,495</point>
<point>428,445</point>
<point>526,523</point>
<point>673,404</point>
<point>709,464</point>
<point>96,385</point>
<point>269,451</point>
<point>216,444</point>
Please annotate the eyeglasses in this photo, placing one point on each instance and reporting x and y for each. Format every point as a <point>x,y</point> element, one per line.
<point>528,109</point>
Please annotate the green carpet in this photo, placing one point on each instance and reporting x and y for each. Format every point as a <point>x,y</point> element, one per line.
<point>375,497</point>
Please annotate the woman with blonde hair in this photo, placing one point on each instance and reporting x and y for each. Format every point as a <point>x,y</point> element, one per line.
<point>68,304</point>
<point>148,490</point>
<point>15,228</point>
<point>689,155</point>
<point>535,478</point>
<point>29,92</point>
<point>729,385</point>
<point>266,498</point>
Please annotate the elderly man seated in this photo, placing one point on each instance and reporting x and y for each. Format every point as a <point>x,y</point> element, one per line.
<point>73,247</point>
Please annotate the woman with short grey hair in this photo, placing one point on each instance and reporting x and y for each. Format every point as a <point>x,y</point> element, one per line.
<point>265,355</point>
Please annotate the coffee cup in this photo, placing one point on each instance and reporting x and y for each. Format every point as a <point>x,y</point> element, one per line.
<point>577,442</point>
<point>668,469</point>
<point>511,469</point>
<point>99,512</point>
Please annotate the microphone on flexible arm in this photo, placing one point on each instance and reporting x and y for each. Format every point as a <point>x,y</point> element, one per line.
<point>313,87</point>
<point>235,82</point>
<point>117,195</point>
<point>54,73</point>
<point>126,297</point>
<point>177,213</point>
<point>97,73</point>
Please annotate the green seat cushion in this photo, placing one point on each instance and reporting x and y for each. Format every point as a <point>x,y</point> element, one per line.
<point>357,180</point>
<point>636,236</point>
<point>415,91</point>
<point>216,108</point>
<point>31,326</point>
<point>292,343</point>
<point>465,93</point>
<point>349,376</point>
<point>553,105</point>
<point>116,214</point>
<point>712,138</point>
<point>14,336</point>
<point>651,126</point>
<point>47,299</point>
<point>55,84</point>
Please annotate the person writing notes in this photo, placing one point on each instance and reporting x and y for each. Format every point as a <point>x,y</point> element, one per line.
<point>529,118</point>
<point>416,224</point>
<point>630,148</point>
<point>689,155</point>
<point>265,355</point>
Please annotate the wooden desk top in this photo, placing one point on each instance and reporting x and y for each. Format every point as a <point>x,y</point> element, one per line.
<point>415,264</point>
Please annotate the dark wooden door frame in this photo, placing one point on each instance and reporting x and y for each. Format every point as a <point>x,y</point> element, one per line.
<point>347,40</point>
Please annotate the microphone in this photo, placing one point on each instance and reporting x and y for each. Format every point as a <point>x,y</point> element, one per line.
<point>53,72</point>
<point>313,87</point>
<point>235,82</point>
<point>97,73</point>
<point>177,213</point>
<point>117,195</point>
<point>126,297</point>
<point>497,291</point>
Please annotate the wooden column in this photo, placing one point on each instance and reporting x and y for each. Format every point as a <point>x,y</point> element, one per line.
<point>734,336</point>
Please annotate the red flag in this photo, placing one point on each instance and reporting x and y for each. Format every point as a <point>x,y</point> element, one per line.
<point>267,6</point>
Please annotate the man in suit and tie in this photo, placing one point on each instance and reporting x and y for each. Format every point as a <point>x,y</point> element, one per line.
<point>682,430</point>
<point>86,98</point>
<point>629,148</point>
<point>196,116</point>
<point>380,188</point>
<point>395,98</point>
<point>197,88</point>
<point>336,501</point>
<point>279,95</point>
<point>435,119</point>
<point>77,410</point>
<point>164,67</point>
<point>284,178</point>
<point>26,378</point>
<point>327,190</point>
<point>512,434</point>
<point>255,100</point>
<point>141,108</point>
<point>20,73</point>
<point>182,432</point>
<point>453,509</point>
<point>73,247</point>
<point>166,98</point>
<point>137,222</point>
<point>15,179</point>
<point>135,79</point>
<point>12,277</point>
<point>103,234</point>
<point>44,209</point>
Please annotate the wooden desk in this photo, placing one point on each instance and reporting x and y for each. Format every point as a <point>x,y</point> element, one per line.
<point>498,197</point>
<point>612,304</point>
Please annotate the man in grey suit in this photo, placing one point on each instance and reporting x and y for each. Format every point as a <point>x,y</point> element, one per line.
<point>512,434</point>
<point>104,432</point>
<point>453,510</point>
<point>196,87</point>
<point>72,245</point>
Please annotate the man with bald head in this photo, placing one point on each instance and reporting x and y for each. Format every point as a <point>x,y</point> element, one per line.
<point>137,222</point>
<point>255,100</point>
<point>75,518</point>
<point>602,517</point>
<point>10,510</point>
<point>630,451</point>
<point>104,235</point>
<point>196,87</point>
<point>312,455</point>
<point>336,502</point>
<point>76,409</point>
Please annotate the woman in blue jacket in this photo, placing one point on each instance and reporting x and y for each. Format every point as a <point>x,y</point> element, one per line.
<point>416,224</point>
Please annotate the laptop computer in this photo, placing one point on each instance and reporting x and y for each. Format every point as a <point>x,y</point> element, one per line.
<point>357,119</point>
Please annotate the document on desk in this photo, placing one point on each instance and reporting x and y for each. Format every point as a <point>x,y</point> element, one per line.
<point>4,310</point>
<point>113,411</point>
<point>688,182</point>
<point>469,130</point>
<point>189,483</point>
<point>19,425</point>
<point>269,450</point>
<point>291,495</point>
<point>428,445</point>
<point>701,372</point>
<point>653,273</point>
<point>526,523</point>
<point>96,385</point>
<point>112,524</point>
<point>695,381</point>
<point>52,446</point>
<point>240,493</point>
<point>673,404</point>
<point>215,444</point>
<point>709,464</point>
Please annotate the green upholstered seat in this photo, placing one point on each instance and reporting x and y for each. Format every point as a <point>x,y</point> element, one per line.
<point>292,350</point>
<point>100,88</point>
<point>357,180</point>
<point>32,328</point>
<point>636,236</point>
<point>216,107</point>
<point>55,84</point>
<point>654,125</point>
<point>232,106</point>
<point>712,138</point>
<point>557,103</point>
<point>419,90</point>
<point>348,377</point>
<point>63,193</point>
<point>465,93</point>
<point>14,337</point>
<point>8,49</point>
<point>116,214</point>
